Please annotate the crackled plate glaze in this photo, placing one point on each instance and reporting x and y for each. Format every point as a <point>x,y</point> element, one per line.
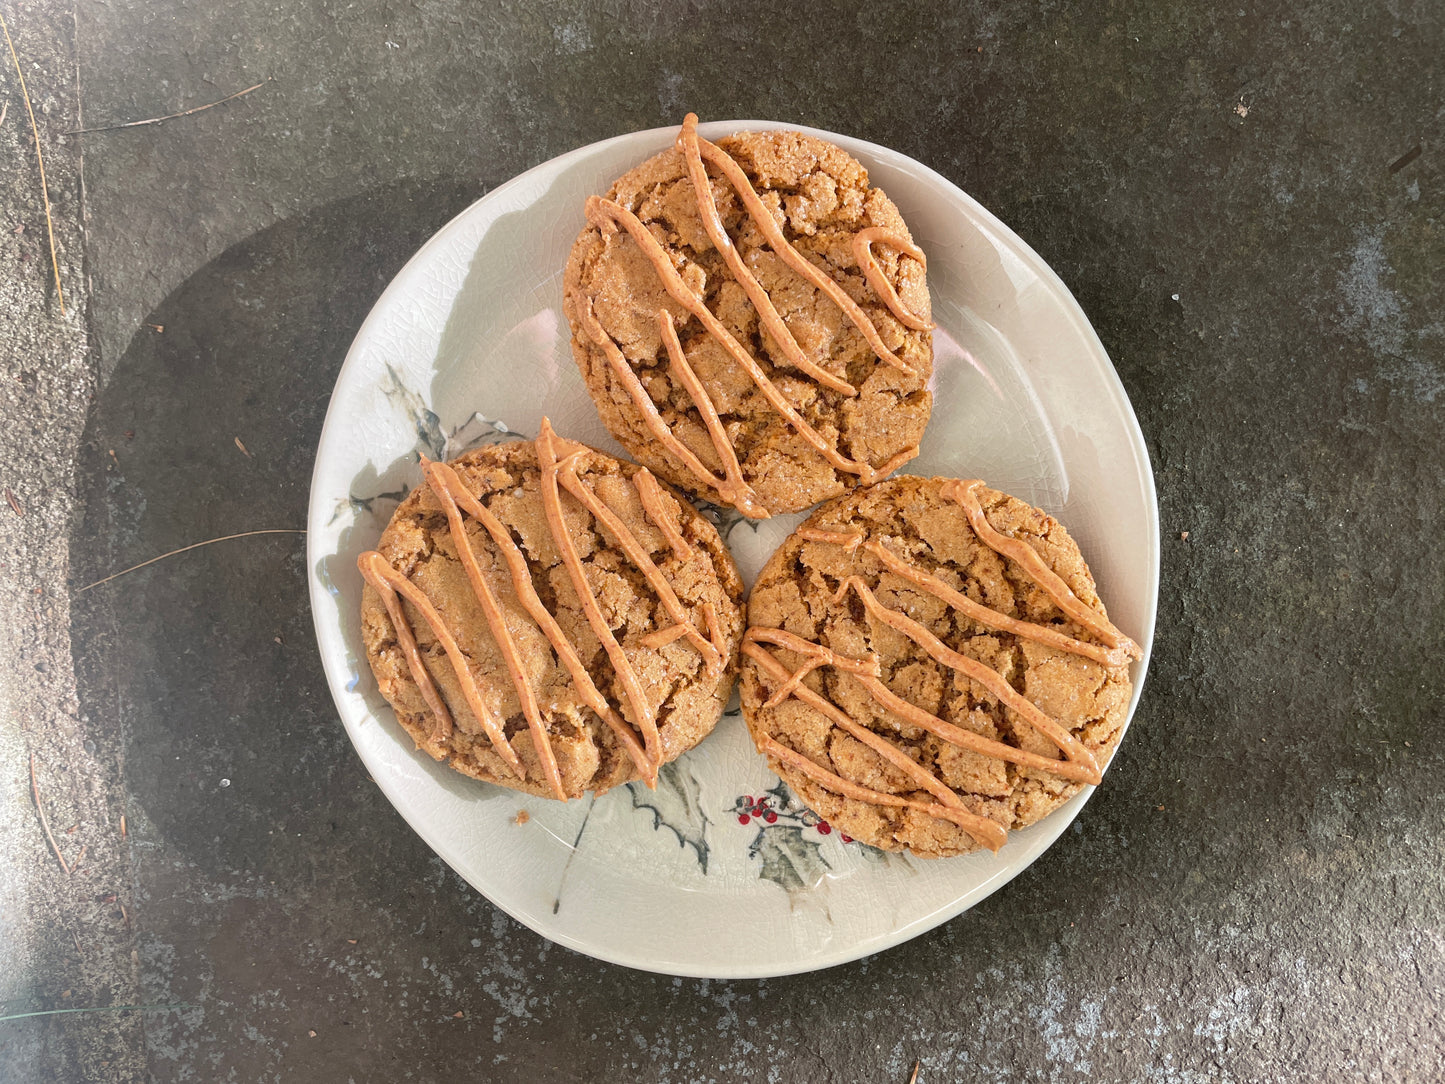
<point>718,873</point>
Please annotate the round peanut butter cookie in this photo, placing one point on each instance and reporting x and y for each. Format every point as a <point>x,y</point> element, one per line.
<point>548,618</point>
<point>752,321</point>
<point>928,665</point>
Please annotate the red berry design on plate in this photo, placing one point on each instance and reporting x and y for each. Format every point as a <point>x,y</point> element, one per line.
<point>749,808</point>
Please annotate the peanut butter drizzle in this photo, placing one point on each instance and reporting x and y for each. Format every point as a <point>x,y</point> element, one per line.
<point>962,493</point>
<point>607,215</point>
<point>566,472</point>
<point>984,615</point>
<point>691,144</point>
<point>714,629</point>
<point>865,672</point>
<point>443,483</point>
<point>1082,766</point>
<point>429,692</point>
<point>849,540</point>
<point>565,651</point>
<point>768,314</point>
<point>662,637</point>
<point>880,745</point>
<point>731,489</point>
<point>787,688</point>
<point>644,713</point>
<point>816,659</point>
<point>650,493</point>
<point>379,573</point>
<point>862,245</point>
<point>987,832</point>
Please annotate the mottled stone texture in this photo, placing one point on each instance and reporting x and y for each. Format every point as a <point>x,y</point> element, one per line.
<point>1256,892</point>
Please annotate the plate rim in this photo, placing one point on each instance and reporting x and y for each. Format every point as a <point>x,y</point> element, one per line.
<point>1053,826</point>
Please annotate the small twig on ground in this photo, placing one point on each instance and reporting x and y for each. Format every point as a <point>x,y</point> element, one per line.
<point>40,161</point>
<point>1406,158</point>
<point>243,448</point>
<point>14,501</point>
<point>44,820</point>
<point>122,826</point>
<point>914,1078</point>
<point>4,108</point>
<point>184,549</point>
<point>103,1008</point>
<point>170,116</point>
<point>84,216</point>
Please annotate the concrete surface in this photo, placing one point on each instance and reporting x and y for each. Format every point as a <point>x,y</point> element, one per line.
<point>1256,894</point>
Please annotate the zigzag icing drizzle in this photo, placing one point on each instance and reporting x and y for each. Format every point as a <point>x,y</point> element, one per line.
<point>558,460</point>
<point>608,216</point>
<point>1078,765</point>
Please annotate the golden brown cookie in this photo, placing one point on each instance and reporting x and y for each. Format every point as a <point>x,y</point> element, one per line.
<point>548,618</point>
<point>752,321</point>
<point>928,665</point>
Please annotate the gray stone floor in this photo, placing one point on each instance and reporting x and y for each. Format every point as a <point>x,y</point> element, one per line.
<point>1255,894</point>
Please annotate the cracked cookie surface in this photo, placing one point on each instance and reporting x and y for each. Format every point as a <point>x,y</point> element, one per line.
<point>671,678</point>
<point>866,413</point>
<point>949,651</point>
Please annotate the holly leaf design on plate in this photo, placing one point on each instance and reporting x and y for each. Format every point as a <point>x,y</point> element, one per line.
<point>674,805</point>
<point>885,859</point>
<point>788,857</point>
<point>725,517</point>
<point>476,431</point>
<point>429,438</point>
<point>358,506</point>
<point>783,798</point>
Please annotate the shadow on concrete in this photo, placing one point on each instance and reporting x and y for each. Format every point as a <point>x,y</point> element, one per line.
<point>201,671</point>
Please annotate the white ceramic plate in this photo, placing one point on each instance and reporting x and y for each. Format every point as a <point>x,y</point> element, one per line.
<point>469,344</point>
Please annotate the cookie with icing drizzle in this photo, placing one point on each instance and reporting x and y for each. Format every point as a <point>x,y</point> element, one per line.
<point>548,618</point>
<point>752,319</point>
<point>928,666</point>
